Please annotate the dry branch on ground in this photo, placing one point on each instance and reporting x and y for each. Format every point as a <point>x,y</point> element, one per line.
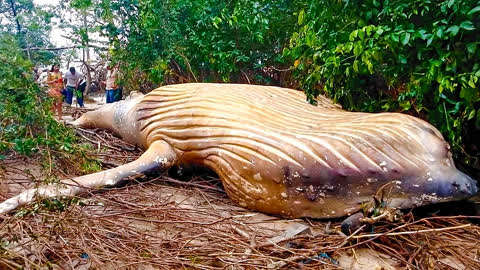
<point>158,222</point>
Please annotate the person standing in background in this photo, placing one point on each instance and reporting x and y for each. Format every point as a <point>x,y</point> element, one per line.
<point>55,85</point>
<point>113,91</point>
<point>72,79</point>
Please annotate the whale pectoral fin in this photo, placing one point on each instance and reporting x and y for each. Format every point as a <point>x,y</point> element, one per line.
<point>159,155</point>
<point>352,223</point>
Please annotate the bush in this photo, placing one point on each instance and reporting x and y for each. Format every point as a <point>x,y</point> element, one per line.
<point>207,40</point>
<point>420,56</point>
<point>27,126</point>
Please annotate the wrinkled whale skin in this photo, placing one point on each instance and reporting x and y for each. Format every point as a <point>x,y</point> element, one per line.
<point>276,153</point>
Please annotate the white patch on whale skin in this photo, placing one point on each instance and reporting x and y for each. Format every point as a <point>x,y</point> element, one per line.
<point>429,198</point>
<point>371,180</point>
<point>161,160</point>
<point>350,210</point>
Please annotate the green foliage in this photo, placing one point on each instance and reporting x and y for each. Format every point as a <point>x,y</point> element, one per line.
<point>30,25</point>
<point>27,126</point>
<point>206,40</point>
<point>48,204</point>
<point>419,56</point>
<point>26,123</point>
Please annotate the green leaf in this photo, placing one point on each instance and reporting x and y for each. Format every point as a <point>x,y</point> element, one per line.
<point>301,17</point>
<point>470,95</point>
<point>471,114</point>
<point>474,10</point>
<point>394,37</point>
<point>348,47</point>
<point>379,31</point>
<point>369,29</point>
<point>361,34</point>
<point>370,67</point>
<point>405,105</point>
<point>453,30</point>
<point>440,32</point>
<point>436,63</point>
<point>423,34</point>
<point>353,35</point>
<point>402,58</point>
<point>471,47</point>
<point>429,41</point>
<point>357,49</point>
<point>405,38</point>
<point>355,66</point>
<point>467,25</point>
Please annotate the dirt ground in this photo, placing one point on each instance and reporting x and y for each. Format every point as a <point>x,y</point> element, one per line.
<point>184,220</point>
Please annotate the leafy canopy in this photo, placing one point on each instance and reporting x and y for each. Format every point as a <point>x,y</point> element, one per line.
<point>27,126</point>
<point>420,56</point>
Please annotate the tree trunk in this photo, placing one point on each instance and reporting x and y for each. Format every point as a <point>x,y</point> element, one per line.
<point>21,36</point>
<point>14,12</point>
<point>86,52</point>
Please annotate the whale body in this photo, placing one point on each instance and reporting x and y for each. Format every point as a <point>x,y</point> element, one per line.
<point>276,153</point>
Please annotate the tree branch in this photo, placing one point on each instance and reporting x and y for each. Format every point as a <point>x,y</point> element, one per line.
<point>65,48</point>
<point>14,12</point>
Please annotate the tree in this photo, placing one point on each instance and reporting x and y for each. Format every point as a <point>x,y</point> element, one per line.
<point>420,57</point>
<point>81,23</point>
<point>29,24</point>
<point>206,40</point>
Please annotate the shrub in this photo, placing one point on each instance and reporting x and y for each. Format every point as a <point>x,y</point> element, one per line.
<point>27,126</point>
<point>207,40</point>
<point>420,56</point>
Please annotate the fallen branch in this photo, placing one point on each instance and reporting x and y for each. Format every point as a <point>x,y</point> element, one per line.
<point>412,232</point>
<point>63,48</point>
<point>171,180</point>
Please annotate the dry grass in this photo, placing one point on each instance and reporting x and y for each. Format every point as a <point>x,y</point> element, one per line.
<point>164,223</point>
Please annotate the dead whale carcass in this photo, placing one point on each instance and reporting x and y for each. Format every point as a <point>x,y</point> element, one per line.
<point>276,153</point>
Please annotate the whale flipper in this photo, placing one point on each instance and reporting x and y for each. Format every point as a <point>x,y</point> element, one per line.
<point>160,155</point>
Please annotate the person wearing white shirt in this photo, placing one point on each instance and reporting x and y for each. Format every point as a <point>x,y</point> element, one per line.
<point>72,79</point>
